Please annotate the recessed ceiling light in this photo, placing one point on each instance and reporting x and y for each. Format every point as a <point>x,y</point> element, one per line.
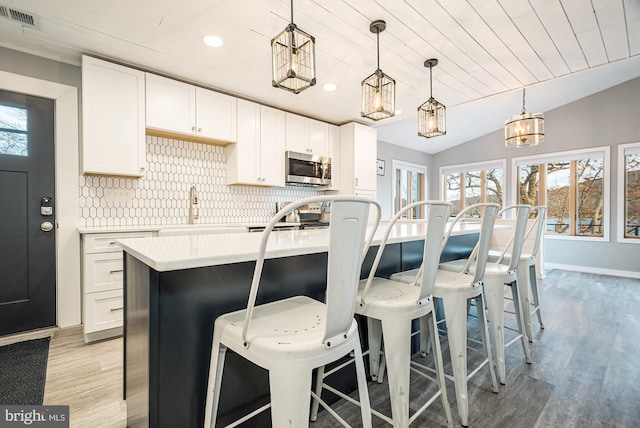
<point>329,87</point>
<point>213,41</point>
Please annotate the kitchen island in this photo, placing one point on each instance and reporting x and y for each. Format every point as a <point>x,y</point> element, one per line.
<point>176,286</point>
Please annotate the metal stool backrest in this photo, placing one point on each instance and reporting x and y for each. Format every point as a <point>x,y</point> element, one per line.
<point>517,238</point>
<point>538,226</point>
<point>437,214</point>
<point>480,252</point>
<point>348,244</point>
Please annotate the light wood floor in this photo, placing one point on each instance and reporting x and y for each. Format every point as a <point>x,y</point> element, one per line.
<point>585,370</point>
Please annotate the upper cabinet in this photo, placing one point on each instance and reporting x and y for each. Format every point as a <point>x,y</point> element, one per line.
<point>179,108</point>
<point>334,154</point>
<point>306,135</point>
<point>358,153</point>
<point>113,119</point>
<point>258,156</point>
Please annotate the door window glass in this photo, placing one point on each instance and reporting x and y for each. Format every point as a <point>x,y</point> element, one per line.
<point>409,187</point>
<point>13,131</point>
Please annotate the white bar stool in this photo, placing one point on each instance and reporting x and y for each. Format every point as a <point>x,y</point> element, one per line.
<point>390,308</point>
<point>456,290</point>
<point>496,276</point>
<point>526,270</point>
<point>292,337</point>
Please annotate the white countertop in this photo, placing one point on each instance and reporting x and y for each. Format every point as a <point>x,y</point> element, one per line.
<point>185,252</point>
<point>157,227</point>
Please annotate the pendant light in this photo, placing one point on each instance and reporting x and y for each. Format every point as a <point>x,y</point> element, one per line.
<point>293,59</point>
<point>432,115</point>
<point>524,129</point>
<point>378,90</point>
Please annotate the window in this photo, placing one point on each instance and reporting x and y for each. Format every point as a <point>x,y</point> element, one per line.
<point>629,192</point>
<point>573,186</point>
<point>13,130</point>
<point>469,184</point>
<point>409,186</point>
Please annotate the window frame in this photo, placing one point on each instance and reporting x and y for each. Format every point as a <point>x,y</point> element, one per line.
<point>621,220</point>
<point>605,152</point>
<point>415,167</point>
<point>474,166</point>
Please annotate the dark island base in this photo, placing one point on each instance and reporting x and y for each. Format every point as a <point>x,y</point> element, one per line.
<point>169,320</point>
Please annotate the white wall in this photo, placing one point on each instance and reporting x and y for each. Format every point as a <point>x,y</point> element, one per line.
<point>607,118</point>
<point>389,152</point>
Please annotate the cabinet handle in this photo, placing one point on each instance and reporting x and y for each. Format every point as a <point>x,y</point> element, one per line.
<point>199,130</point>
<point>356,181</point>
<point>112,243</point>
<point>116,270</point>
<point>193,128</point>
<point>117,309</point>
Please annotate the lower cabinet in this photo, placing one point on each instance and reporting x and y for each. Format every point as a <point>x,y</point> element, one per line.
<point>102,278</point>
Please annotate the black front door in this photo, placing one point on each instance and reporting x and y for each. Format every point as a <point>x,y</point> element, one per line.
<point>27,189</point>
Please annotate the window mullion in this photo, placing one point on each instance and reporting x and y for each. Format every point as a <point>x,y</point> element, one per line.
<point>463,191</point>
<point>573,198</point>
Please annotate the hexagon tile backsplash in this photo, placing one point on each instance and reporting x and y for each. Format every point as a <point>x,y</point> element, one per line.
<point>162,196</point>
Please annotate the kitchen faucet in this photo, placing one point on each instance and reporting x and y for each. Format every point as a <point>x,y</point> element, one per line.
<point>193,205</point>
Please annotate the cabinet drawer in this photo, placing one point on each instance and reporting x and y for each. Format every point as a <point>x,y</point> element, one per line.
<point>103,310</point>
<point>106,242</point>
<point>102,272</point>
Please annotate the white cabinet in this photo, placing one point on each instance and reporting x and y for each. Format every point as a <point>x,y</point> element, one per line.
<point>334,154</point>
<point>113,119</point>
<point>358,152</point>
<point>272,137</point>
<point>306,135</point>
<point>181,108</point>
<point>102,277</point>
<point>318,137</point>
<point>258,156</point>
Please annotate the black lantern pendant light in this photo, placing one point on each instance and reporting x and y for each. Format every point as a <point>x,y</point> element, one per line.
<point>378,90</point>
<point>293,59</point>
<point>524,129</point>
<point>432,115</point>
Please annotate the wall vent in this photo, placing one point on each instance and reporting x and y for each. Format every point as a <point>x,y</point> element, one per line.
<point>19,16</point>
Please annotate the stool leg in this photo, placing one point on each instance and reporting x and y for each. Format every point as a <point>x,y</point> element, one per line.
<point>494,295</point>
<point>455,315</point>
<point>439,366</point>
<point>363,391</point>
<point>424,337</point>
<point>374,328</point>
<point>523,290</point>
<point>218,353</point>
<point>397,345</point>
<point>535,294</point>
<point>484,331</point>
<point>515,290</point>
<point>290,388</point>
<point>315,403</point>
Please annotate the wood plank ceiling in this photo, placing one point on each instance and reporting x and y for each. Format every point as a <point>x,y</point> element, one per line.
<point>487,49</point>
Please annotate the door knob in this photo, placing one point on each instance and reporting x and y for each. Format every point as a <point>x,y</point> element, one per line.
<point>46,226</point>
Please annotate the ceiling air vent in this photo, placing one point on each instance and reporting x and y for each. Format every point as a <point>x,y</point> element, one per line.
<point>19,16</point>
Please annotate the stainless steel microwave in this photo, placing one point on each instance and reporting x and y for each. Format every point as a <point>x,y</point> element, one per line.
<point>304,169</point>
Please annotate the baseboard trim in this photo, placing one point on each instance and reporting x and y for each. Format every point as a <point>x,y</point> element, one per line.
<point>590,269</point>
